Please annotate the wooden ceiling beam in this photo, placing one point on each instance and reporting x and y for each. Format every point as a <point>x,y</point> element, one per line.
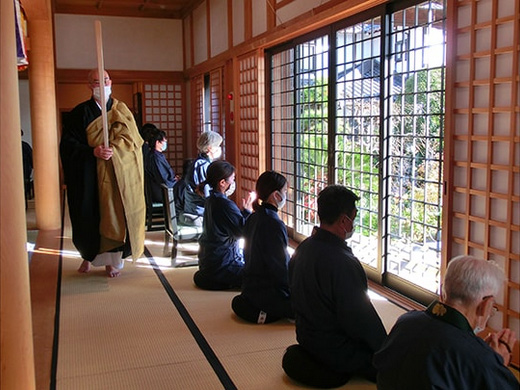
<point>119,11</point>
<point>168,9</point>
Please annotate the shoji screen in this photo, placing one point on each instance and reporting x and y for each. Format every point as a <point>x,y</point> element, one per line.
<point>485,137</point>
<point>249,139</point>
<point>163,106</point>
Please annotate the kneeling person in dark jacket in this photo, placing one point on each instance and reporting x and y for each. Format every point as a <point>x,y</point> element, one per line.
<point>220,257</point>
<point>337,327</point>
<point>265,290</point>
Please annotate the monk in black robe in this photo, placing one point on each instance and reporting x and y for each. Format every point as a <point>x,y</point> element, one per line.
<point>104,184</point>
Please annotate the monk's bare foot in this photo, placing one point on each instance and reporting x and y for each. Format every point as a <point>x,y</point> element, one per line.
<point>112,272</point>
<point>84,267</point>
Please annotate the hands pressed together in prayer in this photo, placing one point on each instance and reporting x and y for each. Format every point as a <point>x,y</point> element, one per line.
<point>502,343</point>
<point>248,203</point>
<point>103,153</point>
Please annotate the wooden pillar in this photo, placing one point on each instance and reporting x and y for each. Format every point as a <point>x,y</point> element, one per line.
<point>16,345</point>
<point>43,114</point>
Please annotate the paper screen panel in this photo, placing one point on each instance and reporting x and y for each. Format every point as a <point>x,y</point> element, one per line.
<point>486,143</point>
<point>163,106</point>
<point>249,123</point>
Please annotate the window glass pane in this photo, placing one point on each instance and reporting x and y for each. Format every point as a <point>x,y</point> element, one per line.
<point>415,143</point>
<point>299,114</point>
<point>282,124</point>
<point>386,134</point>
<point>311,129</point>
<point>358,105</point>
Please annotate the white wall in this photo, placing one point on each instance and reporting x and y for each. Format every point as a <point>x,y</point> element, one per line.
<point>128,43</point>
<point>238,22</point>
<point>219,26</point>
<point>259,17</point>
<point>218,33</point>
<point>296,8</point>
<point>200,28</point>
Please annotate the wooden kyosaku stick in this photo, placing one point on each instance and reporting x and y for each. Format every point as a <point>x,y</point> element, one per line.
<point>101,72</point>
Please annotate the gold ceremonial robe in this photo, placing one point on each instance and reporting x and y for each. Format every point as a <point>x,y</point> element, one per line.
<point>120,181</point>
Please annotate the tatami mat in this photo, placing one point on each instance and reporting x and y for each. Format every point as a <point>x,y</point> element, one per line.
<point>251,354</point>
<point>127,333</point>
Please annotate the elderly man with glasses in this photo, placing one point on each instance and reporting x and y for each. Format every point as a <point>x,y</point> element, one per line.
<point>438,348</point>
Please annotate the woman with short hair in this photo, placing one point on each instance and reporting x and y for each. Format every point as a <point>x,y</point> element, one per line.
<point>209,146</point>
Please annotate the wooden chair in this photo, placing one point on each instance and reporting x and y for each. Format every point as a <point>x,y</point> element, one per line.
<point>174,230</point>
<point>154,210</point>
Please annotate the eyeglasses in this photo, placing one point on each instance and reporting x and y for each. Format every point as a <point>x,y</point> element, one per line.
<point>494,310</point>
<point>352,219</point>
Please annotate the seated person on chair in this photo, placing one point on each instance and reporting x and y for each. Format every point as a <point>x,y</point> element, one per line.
<point>180,188</point>
<point>220,257</point>
<point>147,131</point>
<point>209,148</point>
<point>438,348</point>
<point>337,327</point>
<point>157,168</point>
<point>265,294</point>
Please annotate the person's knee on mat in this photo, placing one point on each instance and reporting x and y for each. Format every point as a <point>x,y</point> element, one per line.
<point>300,366</point>
<point>248,312</point>
<point>204,282</point>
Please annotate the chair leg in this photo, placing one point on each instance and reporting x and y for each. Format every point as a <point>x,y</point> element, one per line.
<point>174,252</point>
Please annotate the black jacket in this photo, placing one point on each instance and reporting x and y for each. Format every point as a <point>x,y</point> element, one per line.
<point>266,279</point>
<point>335,320</point>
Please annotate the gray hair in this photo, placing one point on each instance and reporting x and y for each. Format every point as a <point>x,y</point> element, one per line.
<point>208,139</point>
<point>469,279</point>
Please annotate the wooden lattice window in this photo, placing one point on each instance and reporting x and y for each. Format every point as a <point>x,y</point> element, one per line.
<point>163,106</point>
<point>485,137</point>
<point>248,133</point>
<point>208,111</point>
<point>216,99</point>
<point>197,117</point>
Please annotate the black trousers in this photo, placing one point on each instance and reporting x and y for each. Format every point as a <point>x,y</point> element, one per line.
<point>301,366</point>
<point>224,281</point>
<point>249,312</point>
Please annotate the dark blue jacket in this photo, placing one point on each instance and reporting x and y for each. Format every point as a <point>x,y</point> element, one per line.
<point>193,202</point>
<point>437,349</point>
<point>159,171</point>
<point>223,226</point>
<point>266,279</point>
<point>335,320</point>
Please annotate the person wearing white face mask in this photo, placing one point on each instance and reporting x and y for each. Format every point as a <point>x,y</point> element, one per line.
<point>157,168</point>
<point>209,146</point>
<point>220,257</point>
<point>337,327</point>
<point>107,216</point>
<point>265,293</point>
<point>438,348</point>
